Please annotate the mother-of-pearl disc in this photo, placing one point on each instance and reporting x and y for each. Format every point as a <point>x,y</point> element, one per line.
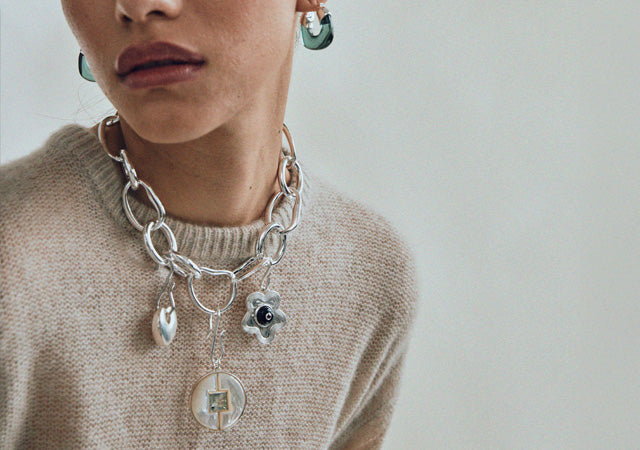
<point>218,400</point>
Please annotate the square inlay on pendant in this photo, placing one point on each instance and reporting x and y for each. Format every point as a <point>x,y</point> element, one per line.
<point>218,401</point>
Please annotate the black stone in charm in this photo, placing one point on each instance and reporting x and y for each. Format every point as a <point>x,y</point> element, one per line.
<point>264,315</point>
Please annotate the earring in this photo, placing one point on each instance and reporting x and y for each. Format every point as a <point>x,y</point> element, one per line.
<point>83,68</point>
<point>319,40</point>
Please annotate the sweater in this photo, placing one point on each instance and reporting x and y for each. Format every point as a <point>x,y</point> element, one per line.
<point>79,367</point>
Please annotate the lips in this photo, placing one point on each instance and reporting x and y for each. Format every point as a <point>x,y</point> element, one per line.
<point>156,63</point>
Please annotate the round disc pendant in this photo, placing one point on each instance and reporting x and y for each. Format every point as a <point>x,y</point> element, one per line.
<point>218,400</point>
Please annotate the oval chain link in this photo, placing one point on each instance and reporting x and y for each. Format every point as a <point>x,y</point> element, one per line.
<point>286,164</point>
<point>297,208</point>
<point>281,247</point>
<point>148,243</point>
<point>153,198</point>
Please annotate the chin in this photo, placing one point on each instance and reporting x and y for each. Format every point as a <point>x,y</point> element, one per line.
<point>170,135</point>
<point>164,128</point>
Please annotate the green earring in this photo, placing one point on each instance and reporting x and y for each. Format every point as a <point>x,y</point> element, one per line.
<point>83,68</point>
<point>322,39</point>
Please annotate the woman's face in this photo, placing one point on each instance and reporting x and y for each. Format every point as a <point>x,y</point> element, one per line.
<point>240,56</point>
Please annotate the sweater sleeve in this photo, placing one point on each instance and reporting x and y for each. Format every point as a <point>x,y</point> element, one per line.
<point>368,421</point>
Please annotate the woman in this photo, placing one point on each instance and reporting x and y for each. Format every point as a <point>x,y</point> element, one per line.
<point>170,277</point>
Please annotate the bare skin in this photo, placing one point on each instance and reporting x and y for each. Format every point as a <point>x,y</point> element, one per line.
<point>210,146</point>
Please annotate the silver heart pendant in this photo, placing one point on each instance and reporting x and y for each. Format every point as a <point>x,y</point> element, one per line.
<point>164,326</point>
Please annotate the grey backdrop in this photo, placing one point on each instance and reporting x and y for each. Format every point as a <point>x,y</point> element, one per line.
<point>502,139</point>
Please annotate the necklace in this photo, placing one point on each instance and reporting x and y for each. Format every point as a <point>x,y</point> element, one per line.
<point>217,399</point>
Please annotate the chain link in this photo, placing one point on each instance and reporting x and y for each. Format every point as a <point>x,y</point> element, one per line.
<point>153,198</point>
<point>184,266</point>
<point>292,148</point>
<point>282,246</point>
<point>130,172</point>
<point>287,164</point>
<point>108,122</point>
<point>233,291</point>
<point>148,243</point>
<point>297,209</point>
<point>255,263</point>
<point>216,359</point>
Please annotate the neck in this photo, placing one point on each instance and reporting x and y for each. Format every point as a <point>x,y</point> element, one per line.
<point>225,178</point>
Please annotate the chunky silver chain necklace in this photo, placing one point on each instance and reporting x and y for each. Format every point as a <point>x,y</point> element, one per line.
<point>218,398</point>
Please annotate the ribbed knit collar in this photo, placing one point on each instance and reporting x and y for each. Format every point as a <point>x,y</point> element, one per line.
<point>208,245</point>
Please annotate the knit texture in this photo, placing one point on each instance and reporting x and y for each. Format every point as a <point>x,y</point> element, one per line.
<point>78,364</point>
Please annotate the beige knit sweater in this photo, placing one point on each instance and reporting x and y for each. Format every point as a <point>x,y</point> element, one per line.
<point>79,367</point>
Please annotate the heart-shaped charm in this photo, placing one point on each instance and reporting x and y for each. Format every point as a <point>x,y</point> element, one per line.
<point>165,324</point>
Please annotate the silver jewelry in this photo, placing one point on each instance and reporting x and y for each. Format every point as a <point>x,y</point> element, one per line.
<point>218,399</point>
<point>163,328</point>
<point>264,316</point>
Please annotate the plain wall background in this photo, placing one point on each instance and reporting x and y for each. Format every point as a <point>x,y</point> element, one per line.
<point>502,139</point>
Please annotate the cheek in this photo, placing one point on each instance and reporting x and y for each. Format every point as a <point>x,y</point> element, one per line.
<point>77,14</point>
<point>246,31</point>
<point>260,49</point>
<point>91,22</point>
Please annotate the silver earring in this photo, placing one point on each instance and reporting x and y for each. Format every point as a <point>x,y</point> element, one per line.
<point>324,37</point>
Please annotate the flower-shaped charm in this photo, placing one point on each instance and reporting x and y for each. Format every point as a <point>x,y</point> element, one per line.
<point>264,316</point>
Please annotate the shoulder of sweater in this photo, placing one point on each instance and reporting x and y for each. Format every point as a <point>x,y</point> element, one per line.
<point>37,186</point>
<point>346,218</point>
<point>51,163</point>
<point>366,240</point>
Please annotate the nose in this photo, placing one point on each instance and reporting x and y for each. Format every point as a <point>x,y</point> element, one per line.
<point>140,11</point>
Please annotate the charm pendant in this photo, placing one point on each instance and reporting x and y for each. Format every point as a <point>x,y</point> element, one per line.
<point>218,400</point>
<point>163,329</point>
<point>264,316</point>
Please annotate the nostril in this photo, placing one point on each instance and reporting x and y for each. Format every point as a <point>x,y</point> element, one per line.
<point>138,15</point>
<point>127,19</point>
<point>141,11</point>
<point>122,15</point>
